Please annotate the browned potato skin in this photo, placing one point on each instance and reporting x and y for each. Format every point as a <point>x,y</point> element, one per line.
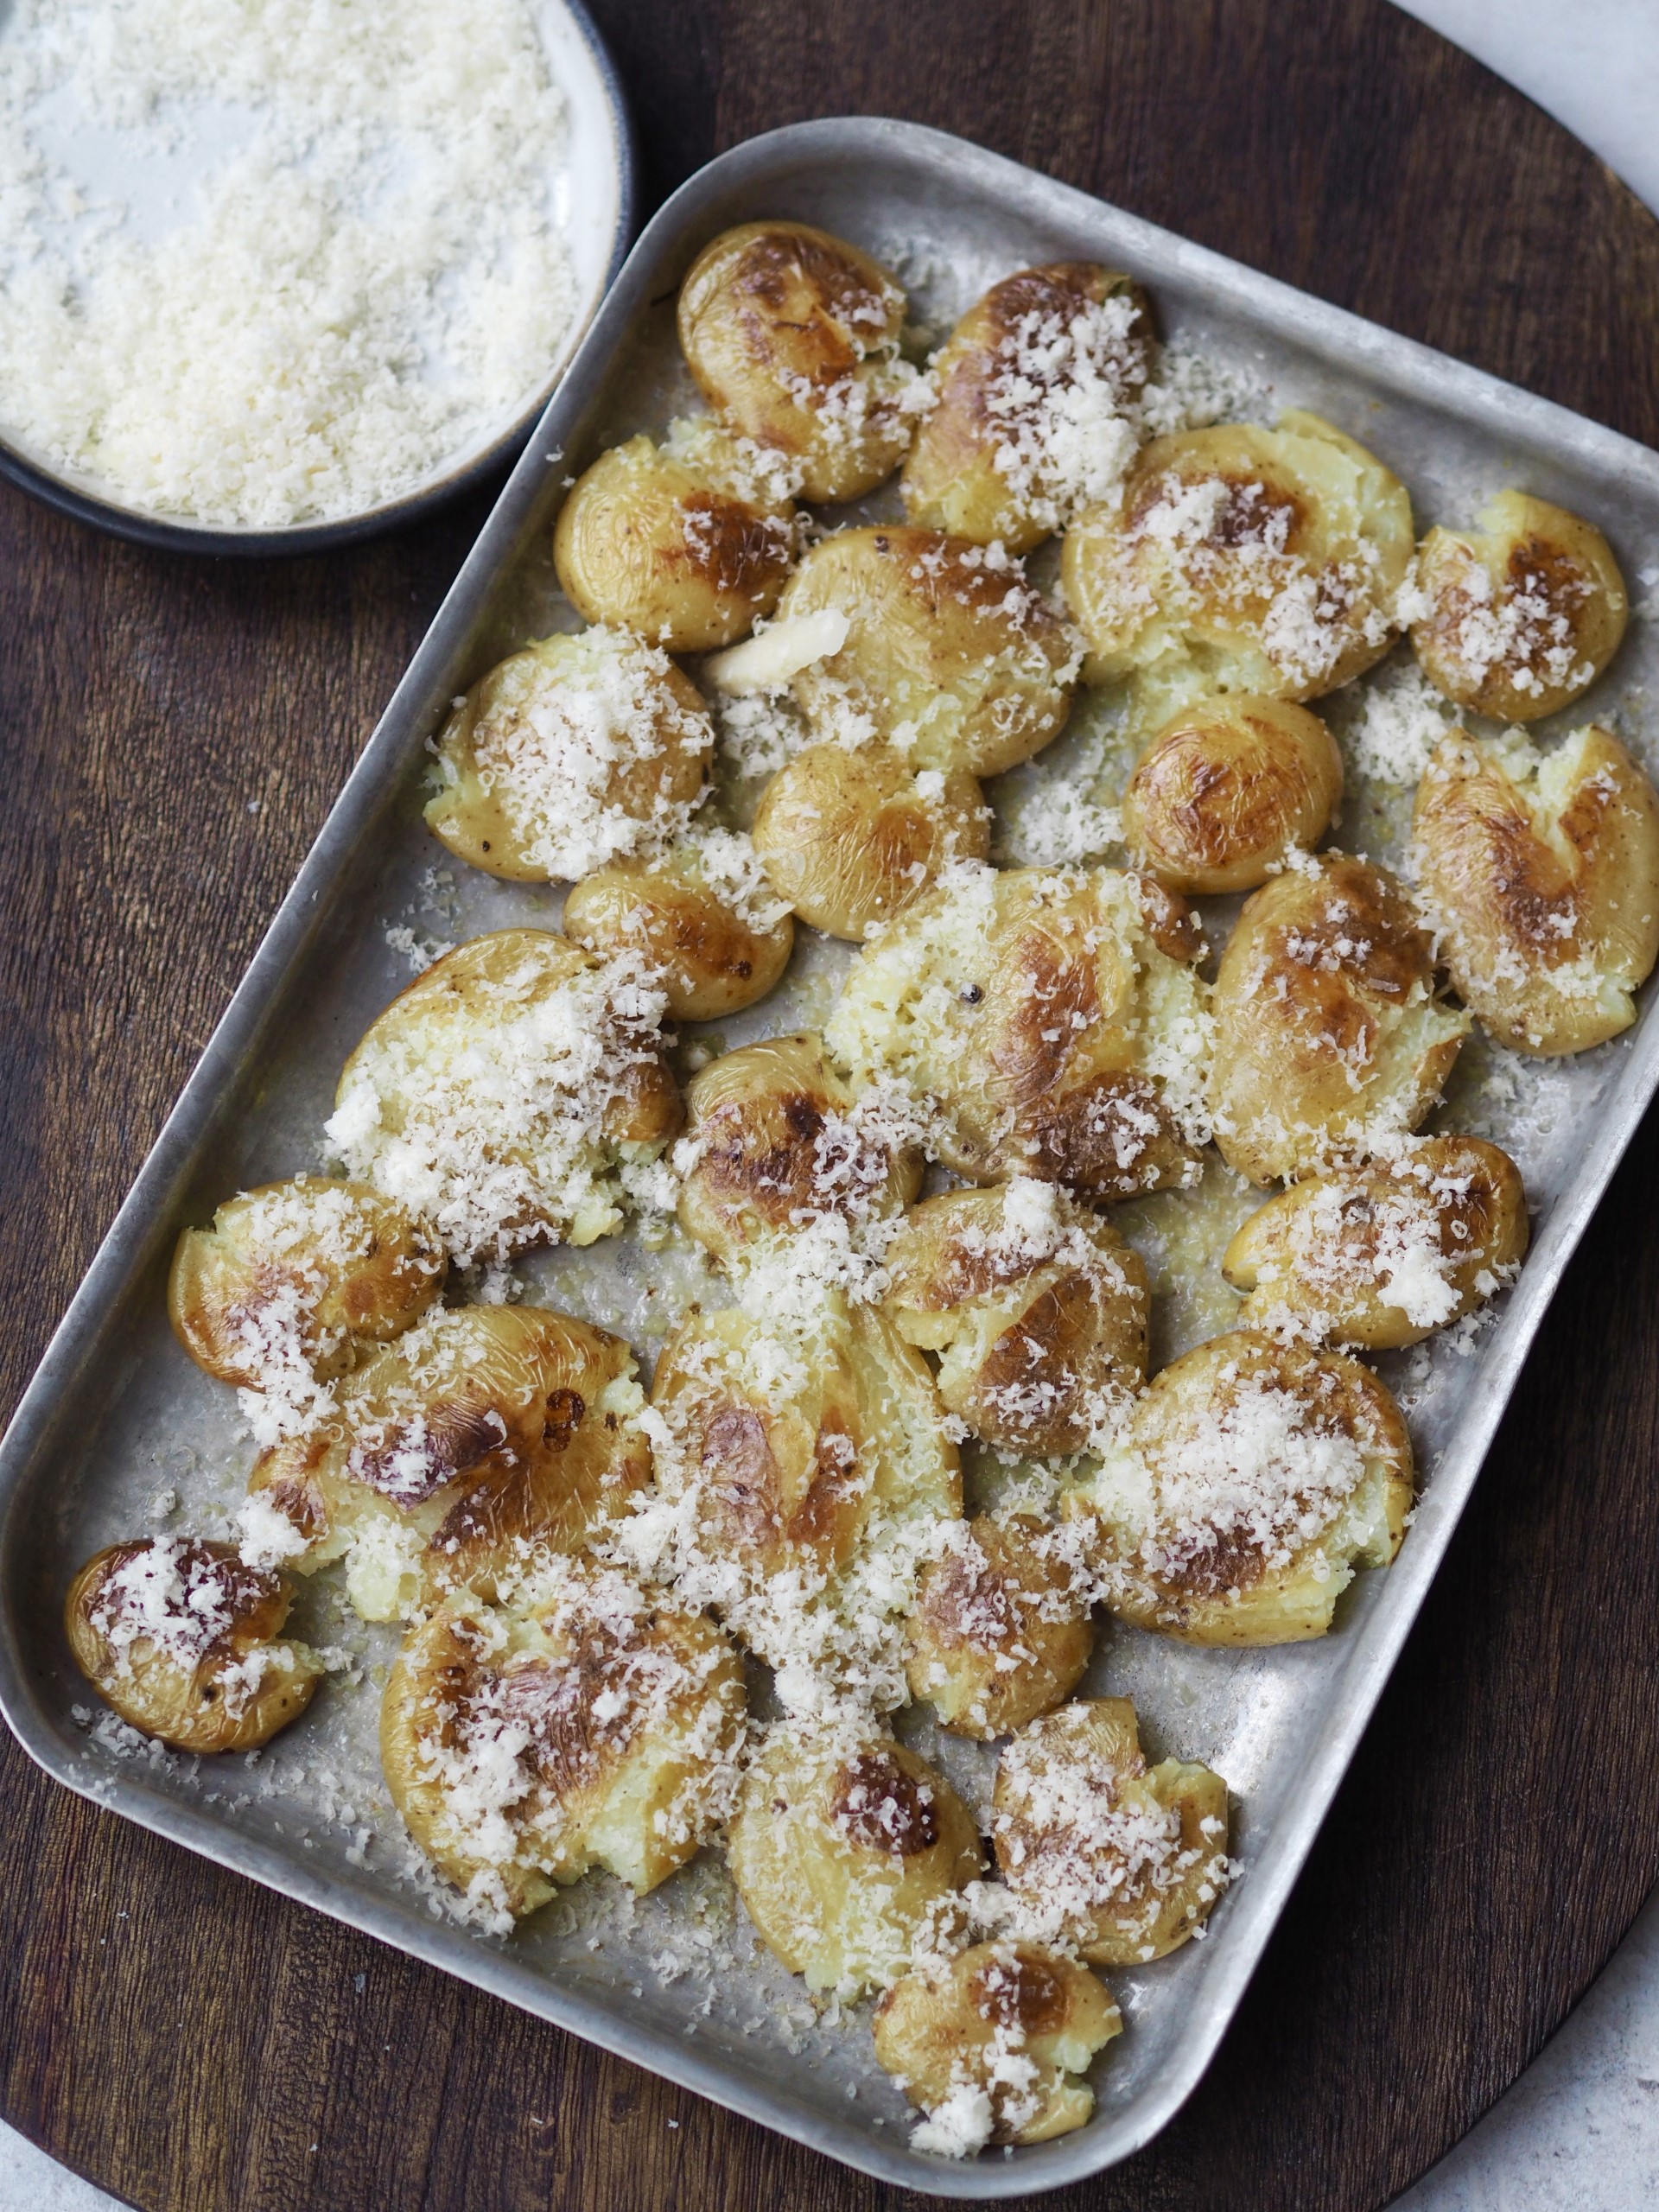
<point>850,841</point>
<point>1224,790</point>
<point>1079,1329</point>
<point>187,1706</point>
<point>998,1596</point>
<point>940,2025</point>
<point>1561,566</point>
<point>647,543</point>
<point>757,1114</point>
<point>933,641</point>
<point>711,961</point>
<point>1331,1290</point>
<point>1327,971</point>
<point>1522,886</point>
<point>769,306</point>
<point>217,1276</point>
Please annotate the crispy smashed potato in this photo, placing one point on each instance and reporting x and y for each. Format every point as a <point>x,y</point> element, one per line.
<point>717,946</point>
<point>948,653</point>
<point>1226,789</point>
<point>1542,872</point>
<point>793,337</point>
<point>1522,615</point>
<point>577,1727</point>
<point>1254,1480</point>
<point>852,838</point>
<point>185,1643</point>
<point>1123,1860</point>
<point>843,1849</point>
<point>1328,1038</point>
<point>1000,1630</point>
<point>1381,1256</point>
<point>1055,1021</point>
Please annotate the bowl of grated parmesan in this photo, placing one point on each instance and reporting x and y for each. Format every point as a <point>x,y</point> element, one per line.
<point>280,274</point>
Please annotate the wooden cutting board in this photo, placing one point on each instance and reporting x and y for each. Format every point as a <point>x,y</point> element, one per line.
<point>173,734</point>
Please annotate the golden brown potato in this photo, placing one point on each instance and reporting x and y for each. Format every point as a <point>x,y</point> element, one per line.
<point>1029,425</point>
<point>1329,1037</point>
<point>1055,1021</point>
<point>514,1095</point>
<point>1381,1256</point>
<point>989,2045</point>
<point>793,337</point>
<point>775,1140</point>
<point>1226,789</point>
<point>1037,1309</point>
<point>653,544</point>
<point>1522,615</point>
<point>1542,872</point>
<point>1001,1632</point>
<point>486,1435</point>
<point>581,1727</point>
<point>1241,560</point>
<point>577,751</point>
<point>288,1278</point>
<point>948,653</point>
<point>1255,1478</point>
<point>185,1643</point>
<point>852,838</point>
<point>1102,1852</point>
<point>703,918</point>
<point>844,1847</point>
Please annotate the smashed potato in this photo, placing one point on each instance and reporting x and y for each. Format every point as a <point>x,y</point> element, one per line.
<point>702,917</point>
<point>1000,1630</point>
<point>844,1848</point>
<point>185,1643</point>
<point>1225,790</point>
<point>1328,1038</point>
<point>1542,872</point>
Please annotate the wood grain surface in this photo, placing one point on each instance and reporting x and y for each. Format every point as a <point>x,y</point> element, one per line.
<point>174,731</point>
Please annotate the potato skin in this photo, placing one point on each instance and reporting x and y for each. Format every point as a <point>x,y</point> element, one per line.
<point>221,1678</point>
<point>648,543</point>
<point>852,838</point>
<point>712,961</point>
<point>1520,615</point>
<point>1450,1209</point>
<point>949,654</point>
<point>1000,1630</point>
<point>1328,1034</point>
<point>1224,790</point>
<point>1543,873</point>
<point>988,396</point>
<point>793,336</point>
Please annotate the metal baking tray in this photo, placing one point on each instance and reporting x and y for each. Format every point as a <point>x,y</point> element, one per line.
<point>116,1414</point>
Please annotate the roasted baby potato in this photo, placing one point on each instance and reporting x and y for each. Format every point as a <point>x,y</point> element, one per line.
<point>651,543</point>
<point>1037,1308</point>
<point>185,1643</point>
<point>1255,1478</point>
<point>577,751</point>
<point>485,1436</point>
<point>1226,788</point>
<point>1055,1021</point>
<point>776,1141</point>
<point>1121,1860</point>
<point>1029,423</point>
<point>1241,560</point>
<point>703,918</point>
<point>1381,1256</point>
<point>1522,614</point>
<point>580,1726</point>
<point>852,838</point>
<point>844,1846</point>
<point>990,2044</point>
<point>1000,1630</point>
<point>793,337</point>
<point>1542,872</point>
<point>1329,1038</point>
<point>948,653</point>
<point>468,1103</point>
